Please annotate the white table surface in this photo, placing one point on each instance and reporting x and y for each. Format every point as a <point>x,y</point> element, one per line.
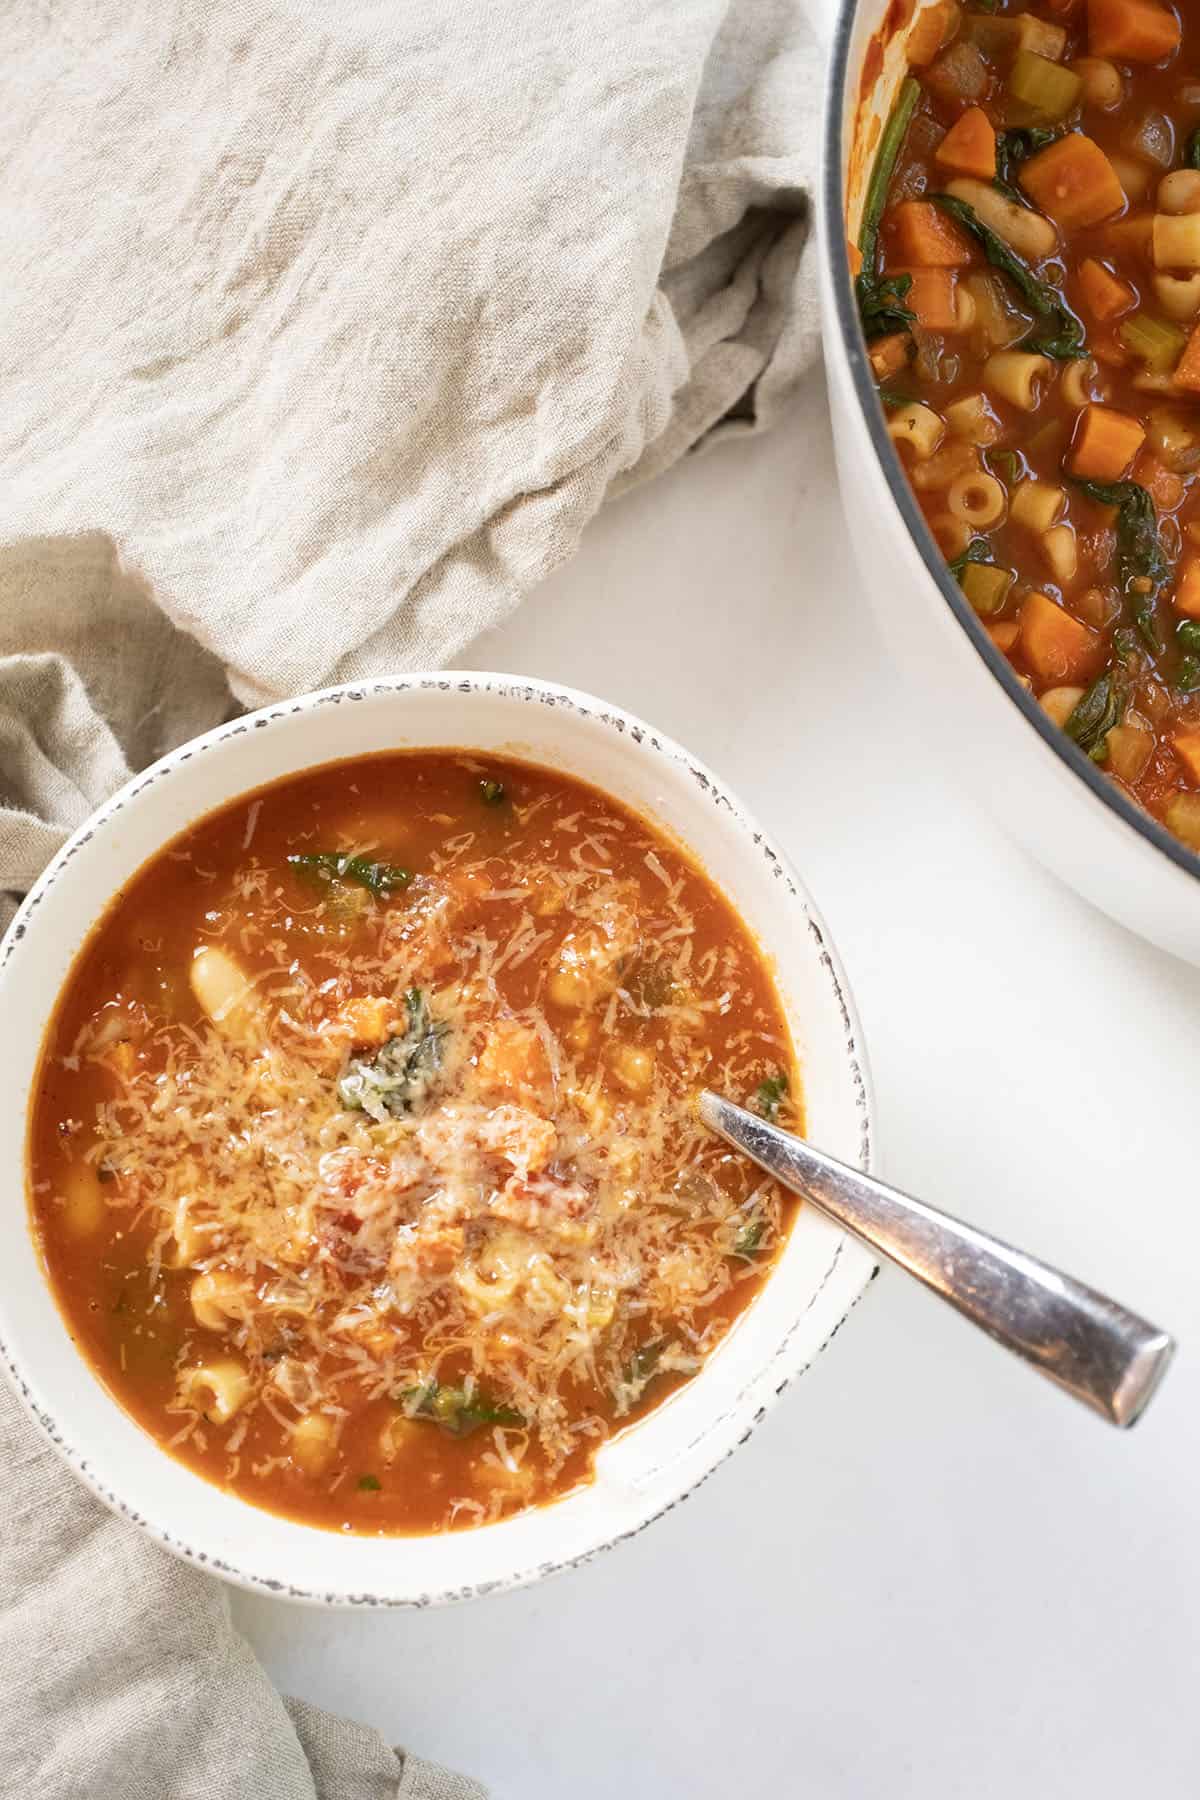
<point>928,1573</point>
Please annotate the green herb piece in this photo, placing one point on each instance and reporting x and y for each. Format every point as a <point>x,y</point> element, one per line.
<point>457,1409</point>
<point>1191,155</point>
<point>1017,146</point>
<point>397,1078</point>
<point>638,1373</point>
<point>770,1093</point>
<point>1125,646</point>
<point>977,551</point>
<point>749,1237</point>
<point>1065,344</point>
<point>369,1484</point>
<point>492,793</point>
<point>985,6</point>
<point>1006,463</point>
<point>1187,636</point>
<point>1094,716</point>
<point>880,298</point>
<point>881,308</point>
<point>325,866</point>
<point>1142,564</point>
<point>890,397</point>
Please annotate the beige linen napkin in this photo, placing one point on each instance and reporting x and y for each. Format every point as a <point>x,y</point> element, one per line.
<point>325,326</point>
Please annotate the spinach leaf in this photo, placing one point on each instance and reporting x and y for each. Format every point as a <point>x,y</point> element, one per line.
<point>881,308</point>
<point>325,866</point>
<point>456,1409</point>
<point>1191,155</point>
<point>1006,463</point>
<point>1125,647</point>
<point>749,1237</point>
<point>638,1373</point>
<point>369,1484</point>
<point>1141,561</point>
<point>977,551</point>
<point>492,793</point>
<point>1187,678</point>
<point>1015,147</point>
<point>890,397</point>
<point>880,298</point>
<point>397,1077</point>
<point>1094,716</point>
<point>770,1093</point>
<point>1065,344</point>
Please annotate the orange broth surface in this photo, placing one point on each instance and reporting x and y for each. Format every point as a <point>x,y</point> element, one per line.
<point>371,1184</point>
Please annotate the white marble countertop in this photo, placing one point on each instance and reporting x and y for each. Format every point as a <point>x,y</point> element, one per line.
<point>928,1574</point>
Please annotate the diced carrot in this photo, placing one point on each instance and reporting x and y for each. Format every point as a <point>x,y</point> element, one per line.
<point>1162,484</point>
<point>889,354</point>
<point>969,147</point>
<point>1103,294</point>
<point>926,239</point>
<point>1186,598</point>
<point>1187,749</point>
<point>1131,30</point>
<point>931,297</point>
<point>1005,634</point>
<point>855,255</point>
<point>1109,352</point>
<point>1105,443</point>
<point>1187,369</point>
<point>1073,181</point>
<point>931,28</point>
<point>1056,646</point>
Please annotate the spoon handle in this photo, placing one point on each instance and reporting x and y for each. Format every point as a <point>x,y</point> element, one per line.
<point>1107,1357</point>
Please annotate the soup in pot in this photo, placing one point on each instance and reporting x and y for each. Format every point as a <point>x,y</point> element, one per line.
<point>1028,279</point>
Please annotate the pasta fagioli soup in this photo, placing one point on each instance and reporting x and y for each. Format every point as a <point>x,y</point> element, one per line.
<point>364,1161</point>
<point>1028,279</point>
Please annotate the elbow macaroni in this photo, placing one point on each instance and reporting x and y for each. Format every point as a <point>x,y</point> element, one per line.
<point>218,1390</point>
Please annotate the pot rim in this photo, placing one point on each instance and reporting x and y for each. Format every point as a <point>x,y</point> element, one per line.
<point>833,231</point>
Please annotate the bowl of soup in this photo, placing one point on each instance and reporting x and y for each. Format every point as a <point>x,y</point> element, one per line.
<point>371,1251</point>
<point>1011,213</point>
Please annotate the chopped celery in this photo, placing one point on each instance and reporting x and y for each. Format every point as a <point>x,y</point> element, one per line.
<point>1045,87</point>
<point>986,586</point>
<point>1158,344</point>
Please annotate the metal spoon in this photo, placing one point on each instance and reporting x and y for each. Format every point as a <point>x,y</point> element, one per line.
<point>1107,1357</point>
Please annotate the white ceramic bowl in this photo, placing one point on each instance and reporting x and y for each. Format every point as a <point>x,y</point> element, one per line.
<point>1039,785</point>
<point>654,1464</point>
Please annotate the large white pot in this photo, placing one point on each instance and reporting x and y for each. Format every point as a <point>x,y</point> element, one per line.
<point>1041,788</point>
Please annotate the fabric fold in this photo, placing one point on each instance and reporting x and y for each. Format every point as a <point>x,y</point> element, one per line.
<point>324,332</point>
